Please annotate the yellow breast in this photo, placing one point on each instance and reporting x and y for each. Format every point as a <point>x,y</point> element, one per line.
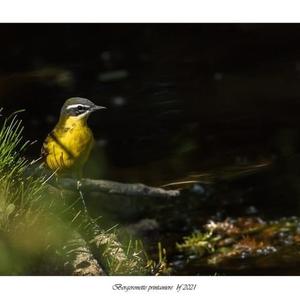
<point>69,145</point>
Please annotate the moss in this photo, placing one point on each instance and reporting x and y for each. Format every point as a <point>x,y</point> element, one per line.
<point>244,239</point>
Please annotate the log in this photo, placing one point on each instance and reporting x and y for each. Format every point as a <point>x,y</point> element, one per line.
<point>111,187</point>
<point>80,259</point>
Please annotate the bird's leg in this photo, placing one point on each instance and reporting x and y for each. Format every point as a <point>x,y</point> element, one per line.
<point>61,193</point>
<point>81,196</point>
<point>78,187</point>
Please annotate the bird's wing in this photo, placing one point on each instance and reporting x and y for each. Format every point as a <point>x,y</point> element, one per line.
<point>45,149</point>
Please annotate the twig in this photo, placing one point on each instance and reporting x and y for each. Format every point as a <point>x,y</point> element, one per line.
<point>90,185</point>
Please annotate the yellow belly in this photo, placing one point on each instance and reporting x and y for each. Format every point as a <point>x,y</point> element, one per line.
<point>68,148</point>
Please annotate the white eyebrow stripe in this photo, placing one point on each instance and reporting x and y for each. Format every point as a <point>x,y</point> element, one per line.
<point>76,105</point>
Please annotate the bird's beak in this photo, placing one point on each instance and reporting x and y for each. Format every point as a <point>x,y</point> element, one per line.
<point>98,108</point>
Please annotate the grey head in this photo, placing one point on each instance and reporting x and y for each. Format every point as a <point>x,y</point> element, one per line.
<point>80,107</point>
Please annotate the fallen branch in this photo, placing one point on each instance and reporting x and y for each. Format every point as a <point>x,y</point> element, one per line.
<point>80,259</point>
<point>119,260</point>
<point>90,185</point>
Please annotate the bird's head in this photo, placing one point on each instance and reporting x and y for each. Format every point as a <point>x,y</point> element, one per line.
<point>78,108</point>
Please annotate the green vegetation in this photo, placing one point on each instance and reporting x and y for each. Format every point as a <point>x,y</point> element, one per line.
<point>41,229</point>
<point>250,241</point>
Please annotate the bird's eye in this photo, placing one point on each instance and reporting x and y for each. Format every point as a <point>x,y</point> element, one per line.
<point>80,108</point>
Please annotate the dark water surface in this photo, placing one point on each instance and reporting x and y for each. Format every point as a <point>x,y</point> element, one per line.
<point>183,99</point>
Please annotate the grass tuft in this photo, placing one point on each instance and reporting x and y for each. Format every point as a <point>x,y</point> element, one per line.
<point>42,230</point>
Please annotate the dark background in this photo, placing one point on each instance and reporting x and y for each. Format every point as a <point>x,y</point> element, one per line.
<point>181,96</point>
<point>182,99</point>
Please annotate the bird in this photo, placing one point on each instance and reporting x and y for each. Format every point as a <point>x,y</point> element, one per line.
<point>67,147</point>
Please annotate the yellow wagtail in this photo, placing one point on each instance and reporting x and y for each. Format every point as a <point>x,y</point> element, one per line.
<point>67,147</point>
